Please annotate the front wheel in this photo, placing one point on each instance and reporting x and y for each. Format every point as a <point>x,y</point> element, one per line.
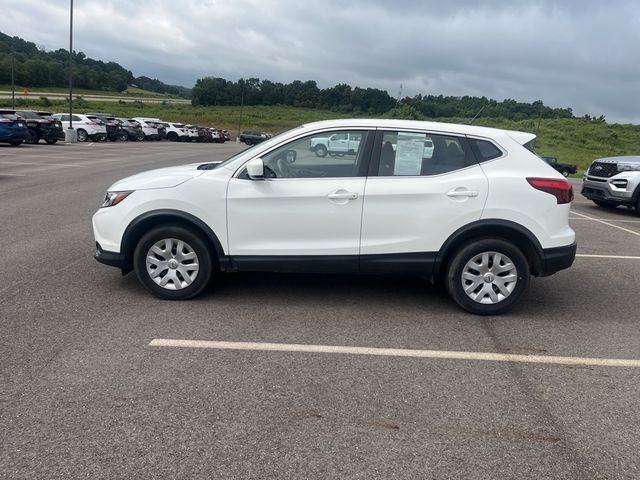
<point>321,151</point>
<point>82,135</point>
<point>173,262</point>
<point>565,173</point>
<point>123,136</point>
<point>15,143</point>
<point>487,276</point>
<point>53,141</point>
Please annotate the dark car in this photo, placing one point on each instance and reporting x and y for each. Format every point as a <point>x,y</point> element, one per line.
<point>133,128</point>
<point>251,138</point>
<point>564,168</point>
<point>114,127</point>
<point>39,128</point>
<point>13,129</point>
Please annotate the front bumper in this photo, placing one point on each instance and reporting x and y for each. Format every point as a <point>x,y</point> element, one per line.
<point>556,259</point>
<point>113,259</point>
<point>609,189</point>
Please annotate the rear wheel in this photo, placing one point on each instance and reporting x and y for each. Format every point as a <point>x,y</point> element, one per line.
<point>123,136</point>
<point>32,137</point>
<point>15,143</point>
<point>488,276</point>
<point>52,141</point>
<point>605,204</point>
<point>172,136</point>
<point>565,172</point>
<point>173,262</point>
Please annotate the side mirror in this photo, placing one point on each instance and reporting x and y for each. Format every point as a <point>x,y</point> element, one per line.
<point>255,169</point>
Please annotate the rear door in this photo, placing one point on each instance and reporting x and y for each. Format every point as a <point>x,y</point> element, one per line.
<point>422,187</point>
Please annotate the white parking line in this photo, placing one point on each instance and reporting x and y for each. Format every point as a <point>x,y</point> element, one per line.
<point>42,164</point>
<point>623,257</point>
<point>607,223</point>
<point>607,219</point>
<point>395,352</point>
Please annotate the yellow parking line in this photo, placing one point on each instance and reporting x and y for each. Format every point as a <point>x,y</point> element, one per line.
<point>396,352</point>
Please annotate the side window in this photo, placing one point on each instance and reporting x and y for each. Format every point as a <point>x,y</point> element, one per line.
<point>316,156</point>
<point>485,150</point>
<point>75,118</point>
<point>422,154</point>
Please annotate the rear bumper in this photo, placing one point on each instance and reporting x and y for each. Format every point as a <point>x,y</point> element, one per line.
<point>556,259</point>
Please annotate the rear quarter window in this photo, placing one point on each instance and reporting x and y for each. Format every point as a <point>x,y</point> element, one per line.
<point>485,150</point>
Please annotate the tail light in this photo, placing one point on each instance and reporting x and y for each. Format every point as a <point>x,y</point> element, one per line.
<point>561,189</point>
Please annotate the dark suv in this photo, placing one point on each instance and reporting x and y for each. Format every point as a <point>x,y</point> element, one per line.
<point>114,126</point>
<point>40,128</point>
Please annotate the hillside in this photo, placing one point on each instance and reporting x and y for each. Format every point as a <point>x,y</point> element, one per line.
<point>573,140</point>
<point>41,69</point>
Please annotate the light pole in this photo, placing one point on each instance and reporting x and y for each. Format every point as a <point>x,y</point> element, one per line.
<point>71,134</point>
<point>241,107</point>
<point>13,86</point>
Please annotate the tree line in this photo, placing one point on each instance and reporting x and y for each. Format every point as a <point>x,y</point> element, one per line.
<point>33,66</point>
<point>211,91</point>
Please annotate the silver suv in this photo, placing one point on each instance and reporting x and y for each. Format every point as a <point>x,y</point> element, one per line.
<point>613,181</point>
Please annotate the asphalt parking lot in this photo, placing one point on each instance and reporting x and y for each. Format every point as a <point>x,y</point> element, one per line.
<point>88,391</point>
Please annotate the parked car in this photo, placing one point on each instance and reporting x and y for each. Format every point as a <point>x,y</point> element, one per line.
<point>564,168</point>
<point>613,181</point>
<point>40,128</point>
<point>85,127</point>
<point>132,128</point>
<point>149,129</point>
<point>113,125</point>
<point>175,132</point>
<point>253,138</point>
<point>13,129</point>
<point>481,214</point>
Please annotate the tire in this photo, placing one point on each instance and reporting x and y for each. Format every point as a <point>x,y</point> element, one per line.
<point>605,204</point>
<point>638,205</point>
<point>140,137</point>
<point>157,250</point>
<point>321,151</point>
<point>565,173</point>
<point>102,138</point>
<point>248,142</point>
<point>31,138</point>
<point>52,141</point>
<point>123,136</point>
<point>475,264</point>
<point>82,135</point>
<point>172,137</point>
<point>15,143</point>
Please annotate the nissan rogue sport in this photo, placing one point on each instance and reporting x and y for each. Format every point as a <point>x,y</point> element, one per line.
<point>477,210</point>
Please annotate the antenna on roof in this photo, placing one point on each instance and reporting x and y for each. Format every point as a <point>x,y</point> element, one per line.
<point>477,115</point>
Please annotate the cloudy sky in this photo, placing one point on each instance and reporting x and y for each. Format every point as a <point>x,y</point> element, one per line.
<point>583,54</point>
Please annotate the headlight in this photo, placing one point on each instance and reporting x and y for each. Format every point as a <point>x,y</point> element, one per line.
<point>629,167</point>
<point>114,198</point>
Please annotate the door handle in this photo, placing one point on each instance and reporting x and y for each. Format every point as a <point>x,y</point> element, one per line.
<point>463,193</point>
<point>342,196</point>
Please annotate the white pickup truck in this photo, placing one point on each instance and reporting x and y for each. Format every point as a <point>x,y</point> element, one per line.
<point>343,143</point>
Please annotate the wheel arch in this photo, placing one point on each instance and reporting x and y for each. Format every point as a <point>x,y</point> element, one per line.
<point>143,223</point>
<point>494,228</point>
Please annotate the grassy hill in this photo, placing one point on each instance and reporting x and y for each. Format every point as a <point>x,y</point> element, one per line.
<point>573,140</point>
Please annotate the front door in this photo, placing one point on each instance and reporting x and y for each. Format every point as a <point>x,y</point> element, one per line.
<point>304,216</point>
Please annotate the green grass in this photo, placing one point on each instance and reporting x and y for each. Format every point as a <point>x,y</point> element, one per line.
<point>131,91</point>
<point>575,141</point>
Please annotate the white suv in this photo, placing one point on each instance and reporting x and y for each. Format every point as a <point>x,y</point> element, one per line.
<point>86,128</point>
<point>479,211</point>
